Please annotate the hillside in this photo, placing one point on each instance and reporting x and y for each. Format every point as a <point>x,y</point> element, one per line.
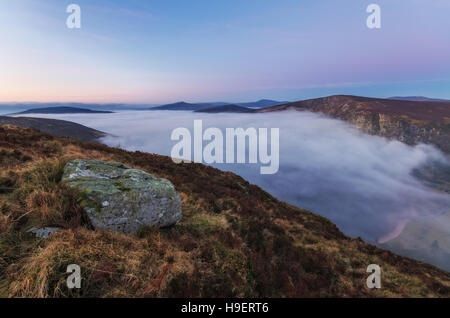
<point>234,240</point>
<point>411,122</point>
<point>62,110</point>
<point>55,127</point>
<point>226,109</point>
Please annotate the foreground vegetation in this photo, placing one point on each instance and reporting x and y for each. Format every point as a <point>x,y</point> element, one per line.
<point>234,240</point>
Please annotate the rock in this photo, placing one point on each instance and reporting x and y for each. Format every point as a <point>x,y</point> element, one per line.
<point>44,232</point>
<point>118,198</point>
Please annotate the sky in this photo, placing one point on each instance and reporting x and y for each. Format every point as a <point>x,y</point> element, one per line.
<point>201,50</point>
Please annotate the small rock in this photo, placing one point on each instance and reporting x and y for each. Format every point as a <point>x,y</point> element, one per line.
<point>44,232</point>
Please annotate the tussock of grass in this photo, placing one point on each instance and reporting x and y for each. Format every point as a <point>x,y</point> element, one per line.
<point>234,240</point>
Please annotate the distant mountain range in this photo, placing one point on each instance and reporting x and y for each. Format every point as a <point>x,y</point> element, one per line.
<point>419,99</point>
<point>226,109</point>
<point>62,110</point>
<point>24,108</point>
<point>411,120</point>
<point>200,106</point>
<point>182,106</point>
<point>7,108</point>
<point>261,103</point>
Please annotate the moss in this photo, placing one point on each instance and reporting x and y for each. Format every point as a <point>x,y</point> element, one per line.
<point>122,187</point>
<point>201,225</point>
<point>86,203</point>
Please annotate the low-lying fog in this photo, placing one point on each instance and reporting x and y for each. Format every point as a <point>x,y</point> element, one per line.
<point>362,183</point>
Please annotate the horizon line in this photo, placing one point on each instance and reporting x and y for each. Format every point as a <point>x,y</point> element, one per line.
<point>193,102</point>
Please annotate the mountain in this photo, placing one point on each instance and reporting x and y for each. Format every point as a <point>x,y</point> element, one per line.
<point>182,106</point>
<point>261,103</point>
<point>419,99</point>
<point>214,104</point>
<point>6,108</point>
<point>225,109</point>
<point>234,239</point>
<point>411,122</point>
<point>199,106</point>
<point>62,110</point>
<point>55,127</point>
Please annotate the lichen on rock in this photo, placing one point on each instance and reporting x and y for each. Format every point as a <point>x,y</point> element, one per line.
<point>118,198</point>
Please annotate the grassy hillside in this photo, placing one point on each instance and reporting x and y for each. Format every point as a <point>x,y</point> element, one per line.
<point>234,240</point>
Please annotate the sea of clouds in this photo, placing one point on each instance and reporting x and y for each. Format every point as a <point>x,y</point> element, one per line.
<point>362,183</point>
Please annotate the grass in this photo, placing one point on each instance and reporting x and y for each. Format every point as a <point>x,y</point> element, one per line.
<point>235,240</point>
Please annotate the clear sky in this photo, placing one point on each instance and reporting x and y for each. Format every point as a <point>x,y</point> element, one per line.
<point>162,51</point>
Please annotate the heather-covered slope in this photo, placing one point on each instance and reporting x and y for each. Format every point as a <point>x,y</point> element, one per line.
<point>234,239</point>
<point>411,122</point>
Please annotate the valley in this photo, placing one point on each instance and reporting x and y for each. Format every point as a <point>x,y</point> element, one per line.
<point>235,240</point>
<point>371,184</point>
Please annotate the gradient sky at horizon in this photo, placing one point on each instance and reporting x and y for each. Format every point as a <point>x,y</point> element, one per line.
<point>200,50</point>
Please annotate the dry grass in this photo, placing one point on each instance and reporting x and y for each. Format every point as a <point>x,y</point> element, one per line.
<point>235,240</point>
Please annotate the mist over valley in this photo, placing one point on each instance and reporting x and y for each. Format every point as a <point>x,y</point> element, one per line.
<point>364,184</point>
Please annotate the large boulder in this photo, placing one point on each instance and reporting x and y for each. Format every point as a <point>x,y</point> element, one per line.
<point>118,198</point>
